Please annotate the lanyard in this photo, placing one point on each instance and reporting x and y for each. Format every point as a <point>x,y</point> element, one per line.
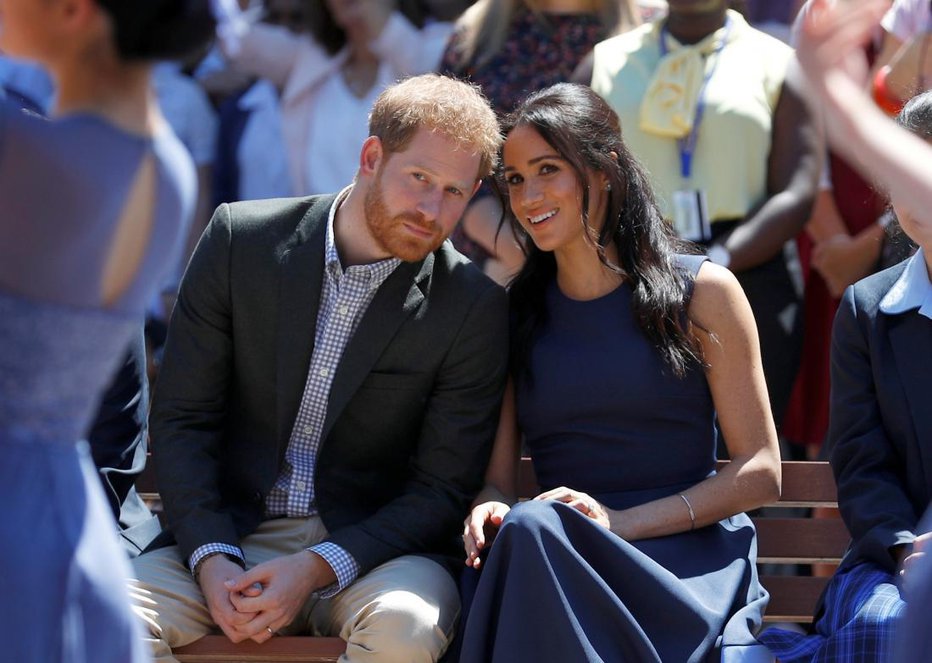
<point>688,145</point>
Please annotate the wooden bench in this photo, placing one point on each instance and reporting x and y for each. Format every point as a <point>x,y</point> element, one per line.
<point>783,539</point>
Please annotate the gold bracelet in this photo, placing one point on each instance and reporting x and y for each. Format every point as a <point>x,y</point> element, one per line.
<point>692,514</point>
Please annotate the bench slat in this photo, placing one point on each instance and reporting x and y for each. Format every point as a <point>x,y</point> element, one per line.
<point>808,483</point>
<point>280,649</point>
<point>801,540</point>
<point>792,598</point>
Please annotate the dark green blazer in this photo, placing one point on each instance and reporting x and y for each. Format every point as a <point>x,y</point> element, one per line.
<point>413,406</point>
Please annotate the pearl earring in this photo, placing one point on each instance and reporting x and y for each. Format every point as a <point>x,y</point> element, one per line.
<point>608,187</point>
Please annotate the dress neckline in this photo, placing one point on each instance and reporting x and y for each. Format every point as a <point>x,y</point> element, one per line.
<point>608,295</point>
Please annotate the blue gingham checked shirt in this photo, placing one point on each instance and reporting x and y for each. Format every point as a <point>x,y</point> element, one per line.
<point>344,298</point>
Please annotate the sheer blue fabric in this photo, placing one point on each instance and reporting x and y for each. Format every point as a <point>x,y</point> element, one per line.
<point>63,187</point>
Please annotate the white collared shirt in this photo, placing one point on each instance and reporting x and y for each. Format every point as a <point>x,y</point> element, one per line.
<point>912,290</point>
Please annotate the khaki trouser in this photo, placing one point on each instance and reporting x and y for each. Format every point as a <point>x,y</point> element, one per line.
<point>402,611</point>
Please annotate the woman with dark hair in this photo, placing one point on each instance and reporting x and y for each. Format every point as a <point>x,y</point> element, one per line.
<point>712,109</point>
<point>625,353</point>
<point>95,204</point>
<point>330,76</point>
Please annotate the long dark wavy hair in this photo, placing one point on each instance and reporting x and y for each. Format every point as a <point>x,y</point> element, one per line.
<point>581,127</point>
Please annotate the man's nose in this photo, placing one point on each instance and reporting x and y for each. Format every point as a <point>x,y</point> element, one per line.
<point>430,203</point>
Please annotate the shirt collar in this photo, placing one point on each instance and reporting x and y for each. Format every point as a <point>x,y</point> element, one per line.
<point>375,273</point>
<point>912,290</point>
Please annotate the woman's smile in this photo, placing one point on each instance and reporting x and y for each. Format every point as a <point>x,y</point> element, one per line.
<point>540,218</point>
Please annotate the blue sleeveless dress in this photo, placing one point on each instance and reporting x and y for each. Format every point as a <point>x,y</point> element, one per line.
<point>603,414</point>
<point>63,185</point>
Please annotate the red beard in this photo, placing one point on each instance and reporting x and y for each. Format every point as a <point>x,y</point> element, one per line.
<point>390,231</point>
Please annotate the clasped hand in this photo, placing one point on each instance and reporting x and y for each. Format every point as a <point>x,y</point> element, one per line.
<point>483,521</point>
<point>252,605</point>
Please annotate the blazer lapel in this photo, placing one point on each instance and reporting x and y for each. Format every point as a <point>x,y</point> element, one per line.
<point>300,280</point>
<point>399,297</point>
<point>911,338</point>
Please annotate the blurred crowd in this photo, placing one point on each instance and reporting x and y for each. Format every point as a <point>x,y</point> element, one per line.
<point>277,105</point>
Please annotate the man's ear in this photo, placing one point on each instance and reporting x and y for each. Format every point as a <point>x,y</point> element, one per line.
<point>476,187</point>
<point>371,156</point>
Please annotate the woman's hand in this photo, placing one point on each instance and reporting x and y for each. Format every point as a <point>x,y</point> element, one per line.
<point>580,501</point>
<point>480,527</point>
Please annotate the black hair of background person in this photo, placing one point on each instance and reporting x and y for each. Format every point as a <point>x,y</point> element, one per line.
<point>160,29</point>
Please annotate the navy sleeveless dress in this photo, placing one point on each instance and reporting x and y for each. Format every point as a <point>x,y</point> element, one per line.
<point>63,185</point>
<point>603,414</point>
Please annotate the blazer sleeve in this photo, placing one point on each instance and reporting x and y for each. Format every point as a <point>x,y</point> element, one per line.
<point>453,449</point>
<point>190,398</point>
<point>868,469</point>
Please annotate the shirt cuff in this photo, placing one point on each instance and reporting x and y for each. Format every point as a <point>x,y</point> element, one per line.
<point>343,564</point>
<point>210,549</point>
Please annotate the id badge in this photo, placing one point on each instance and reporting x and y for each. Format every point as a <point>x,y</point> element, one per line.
<point>691,215</point>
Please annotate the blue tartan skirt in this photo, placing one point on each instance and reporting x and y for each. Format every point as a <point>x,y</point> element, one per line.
<point>862,608</point>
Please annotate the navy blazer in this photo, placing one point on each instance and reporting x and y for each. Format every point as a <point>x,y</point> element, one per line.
<point>413,405</point>
<point>881,419</point>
